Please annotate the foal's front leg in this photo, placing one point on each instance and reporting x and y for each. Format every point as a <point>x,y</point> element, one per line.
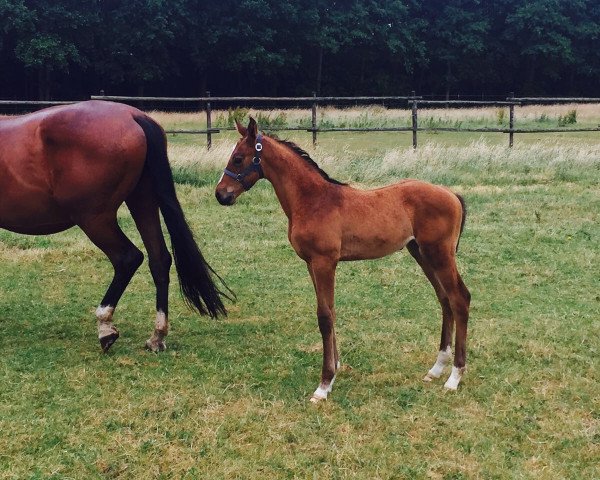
<point>323,276</point>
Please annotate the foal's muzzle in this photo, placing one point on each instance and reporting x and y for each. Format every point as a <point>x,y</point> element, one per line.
<point>225,198</point>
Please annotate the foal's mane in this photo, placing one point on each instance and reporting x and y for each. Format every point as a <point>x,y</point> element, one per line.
<point>306,157</point>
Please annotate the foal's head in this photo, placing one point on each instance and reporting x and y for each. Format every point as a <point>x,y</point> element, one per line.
<point>244,167</point>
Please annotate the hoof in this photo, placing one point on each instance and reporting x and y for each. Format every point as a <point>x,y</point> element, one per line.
<point>106,342</point>
<point>315,399</point>
<point>155,345</point>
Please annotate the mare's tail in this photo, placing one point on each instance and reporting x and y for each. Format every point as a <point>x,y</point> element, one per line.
<point>464,217</point>
<point>195,274</point>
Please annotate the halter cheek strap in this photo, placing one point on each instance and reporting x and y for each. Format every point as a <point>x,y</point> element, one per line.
<point>255,166</point>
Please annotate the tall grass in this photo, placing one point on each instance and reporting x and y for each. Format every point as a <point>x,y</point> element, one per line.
<point>479,162</point>
<point>585,115</point>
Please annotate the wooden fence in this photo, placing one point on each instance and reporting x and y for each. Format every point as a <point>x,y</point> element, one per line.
<point>205,106</point>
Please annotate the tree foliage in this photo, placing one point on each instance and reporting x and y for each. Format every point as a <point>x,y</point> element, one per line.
<point>73,48</point>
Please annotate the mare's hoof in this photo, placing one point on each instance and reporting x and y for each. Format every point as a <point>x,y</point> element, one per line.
<point>106,342</point>
<point>316,399</point>
<point>155,345</point>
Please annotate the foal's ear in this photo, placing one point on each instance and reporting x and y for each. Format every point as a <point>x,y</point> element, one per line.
<point>252,128</point>
<point>240,128</point>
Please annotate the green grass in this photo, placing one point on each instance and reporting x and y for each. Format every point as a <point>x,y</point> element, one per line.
<point>229,398</point>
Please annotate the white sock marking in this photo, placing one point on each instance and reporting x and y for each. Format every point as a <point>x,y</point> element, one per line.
<point>444,356</point>
<point>454,378</point>
<point>322,391</point>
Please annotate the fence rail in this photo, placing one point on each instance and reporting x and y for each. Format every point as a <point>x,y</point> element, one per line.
<point>208,98</point>
<point>39,103</point>
<point>412,101</point>
<point>537,100</point>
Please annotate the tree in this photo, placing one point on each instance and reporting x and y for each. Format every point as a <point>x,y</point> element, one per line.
<point>386,40</point>
<point>540,33</point>
<point>327,26</point>
<point>585,64</point>
<point>456,37</point>
<point>71,48</point>
<point>50,36</point>
<point>134,41</point>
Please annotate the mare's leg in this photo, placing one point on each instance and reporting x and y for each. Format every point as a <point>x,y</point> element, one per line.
<point>104,231</point>
<point>335,349</point>
<point>445,352</point>
<point>323,275</point>
<point>442,259</point>
<point>144,210</point>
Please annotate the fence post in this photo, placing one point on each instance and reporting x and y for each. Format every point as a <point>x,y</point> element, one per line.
<point>511,120</point>
<point>208,123</point>
<point>414,120</point>
<point>314,119</point>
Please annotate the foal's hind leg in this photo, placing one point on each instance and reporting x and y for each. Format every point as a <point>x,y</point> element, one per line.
<point>442,259</point>
<point>445,352</point>
<point>144,210</point>
<point>104,231</point>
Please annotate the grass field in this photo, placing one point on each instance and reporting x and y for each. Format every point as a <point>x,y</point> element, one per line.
<point>229,398</point>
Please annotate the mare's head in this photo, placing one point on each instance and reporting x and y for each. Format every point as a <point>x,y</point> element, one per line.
<point>244,167</point>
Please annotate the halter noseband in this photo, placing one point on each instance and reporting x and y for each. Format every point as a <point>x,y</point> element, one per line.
<point>253,167</point>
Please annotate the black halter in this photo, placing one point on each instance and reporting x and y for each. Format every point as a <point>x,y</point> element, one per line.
<point>253,167</point>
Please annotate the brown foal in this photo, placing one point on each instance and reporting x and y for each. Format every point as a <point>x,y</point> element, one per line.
<point>75,165</point>
<point>331,222</point>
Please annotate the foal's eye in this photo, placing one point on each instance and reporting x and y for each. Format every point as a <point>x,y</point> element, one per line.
<point>237,160</point>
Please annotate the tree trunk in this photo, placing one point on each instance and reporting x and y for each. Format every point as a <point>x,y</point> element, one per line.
<point>363,62</point>
<point>529,87</point>
<point>319,70</point>
<point>140,93</point>
<point>448,79</point>
<point>571,88</point>
<point>44,83</point>
<point>203,82</point>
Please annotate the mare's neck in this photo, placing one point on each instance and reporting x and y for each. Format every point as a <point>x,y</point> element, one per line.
<point>297,184</point>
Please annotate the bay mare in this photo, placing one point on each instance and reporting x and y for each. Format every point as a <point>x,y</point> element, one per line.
<point>75,165</point>
<point>331,222</point>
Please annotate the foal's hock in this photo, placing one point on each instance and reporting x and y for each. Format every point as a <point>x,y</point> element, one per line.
<point>331,222</point>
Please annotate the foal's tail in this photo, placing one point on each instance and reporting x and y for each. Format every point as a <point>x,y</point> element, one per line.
<point>463,219</point>
<point>195,274</point>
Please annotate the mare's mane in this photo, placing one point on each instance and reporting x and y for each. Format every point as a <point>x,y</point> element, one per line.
<point>306,157</point>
